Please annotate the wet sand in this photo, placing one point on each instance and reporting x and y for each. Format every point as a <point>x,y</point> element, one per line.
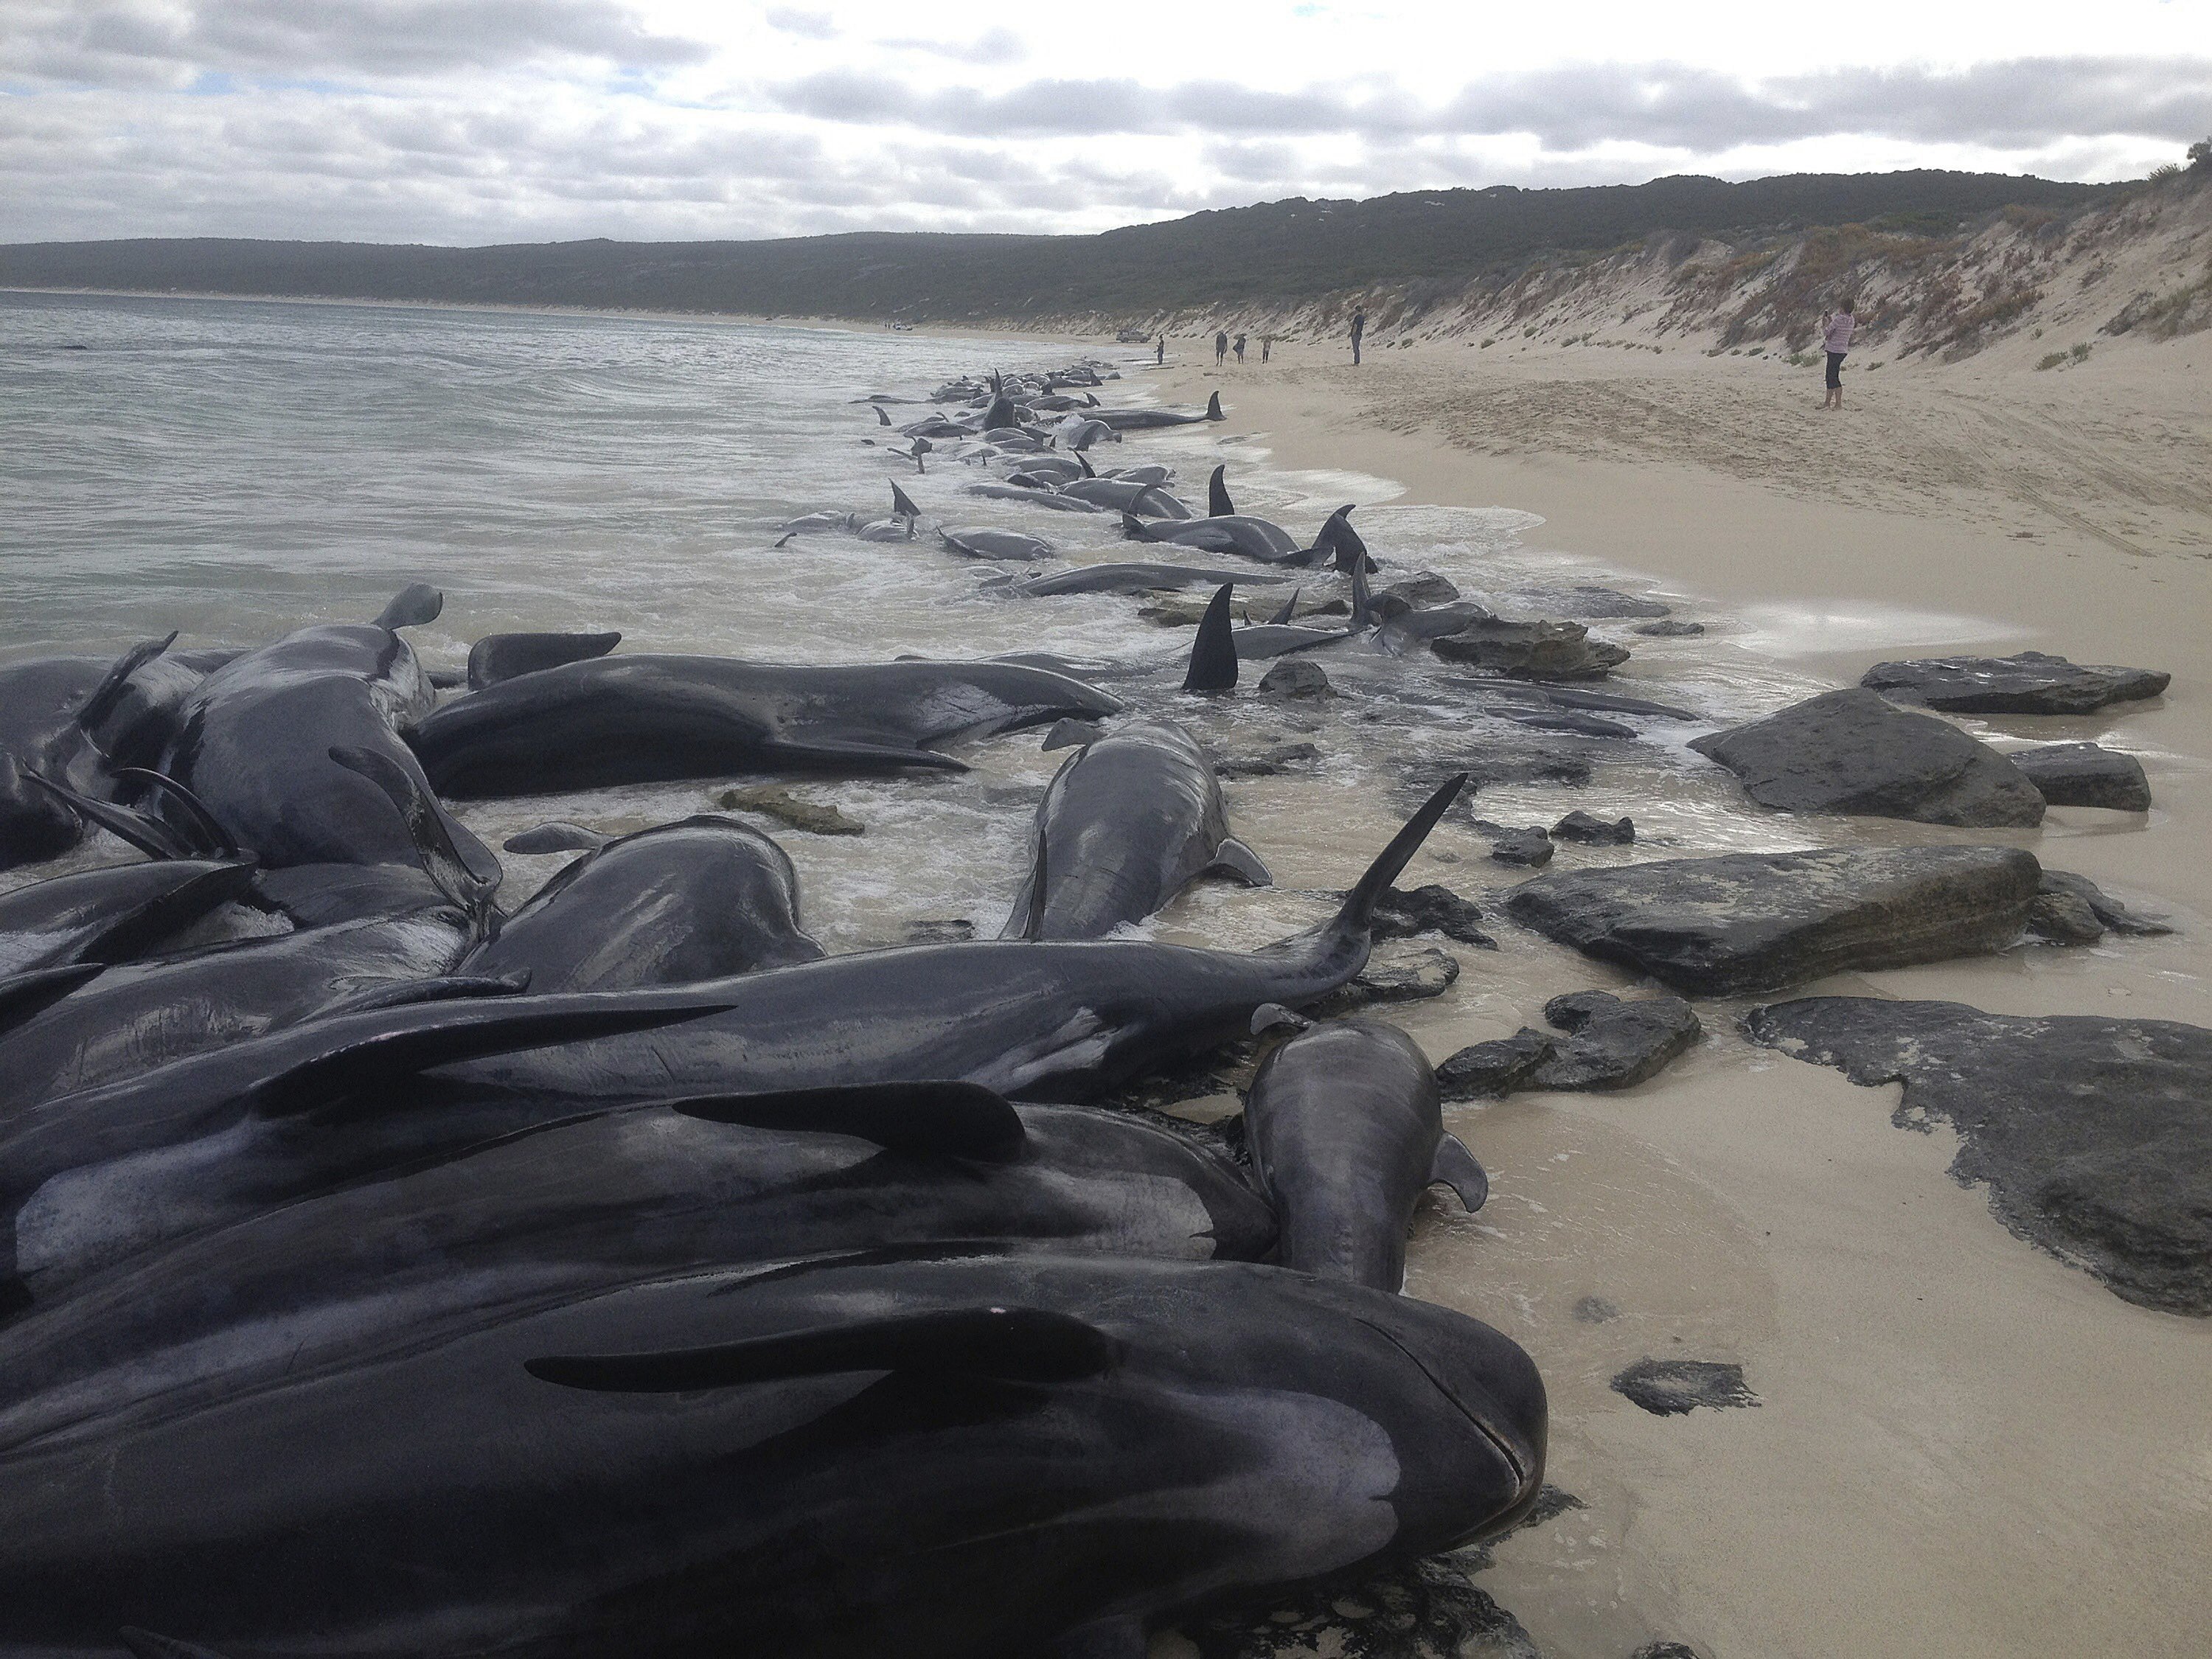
<point>1963,1445</point>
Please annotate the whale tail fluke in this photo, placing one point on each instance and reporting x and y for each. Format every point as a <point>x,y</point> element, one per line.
<point>1217,504</point>
<point>1213,654</point>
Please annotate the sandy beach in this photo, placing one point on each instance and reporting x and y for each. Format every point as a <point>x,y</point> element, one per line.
<point>1963,1445</point>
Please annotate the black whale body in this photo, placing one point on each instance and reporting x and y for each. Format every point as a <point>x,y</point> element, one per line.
<point>941,1458</point>
<point>642,719</point>
<point>595,1202</point>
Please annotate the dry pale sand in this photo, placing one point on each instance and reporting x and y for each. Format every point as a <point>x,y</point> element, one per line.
<point>1964,1446</point>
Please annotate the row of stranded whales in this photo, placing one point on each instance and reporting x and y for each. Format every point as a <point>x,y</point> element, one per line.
<point>623,1275</point>
<point>90,1177</point>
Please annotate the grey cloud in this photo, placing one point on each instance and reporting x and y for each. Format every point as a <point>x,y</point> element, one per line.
<point>2020,102</point>
<point>135,42</point>
<point>992,47</point>
<point>812,25</point>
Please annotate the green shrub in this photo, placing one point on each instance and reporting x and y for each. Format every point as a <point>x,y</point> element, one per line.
<point>2200,156</point>
<point>2078,353</point>
<point>2052,361</point>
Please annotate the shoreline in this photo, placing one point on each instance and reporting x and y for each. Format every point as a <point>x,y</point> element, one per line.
<point>1963,1445</point>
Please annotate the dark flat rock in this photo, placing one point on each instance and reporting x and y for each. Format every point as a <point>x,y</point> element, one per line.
<point>1396,972</point>
<point>1490,764</point>
<point>1614,1044</point>
<point>950,930</point>
<point>1291,678</point>
<point>1580,826</point>
<point>1432,909</point>
<point>2115,915</point>
<point>1528,846</point>
<point>2028,683</point>
<point>1493,1070</point>
<point>1273,762</point>
<point>1674,1387</point>
<point>1427,1609</point>
<point>2085,774</point>
<point>1855,752</point>
<point>1534,650</point>
<point>2095,1135</point>
<point>1671,629</point>
<point>1753,922</point>
<point>1414,592</point>
<point>2062,917</point>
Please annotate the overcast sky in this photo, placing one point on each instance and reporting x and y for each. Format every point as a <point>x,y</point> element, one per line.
<point>467,121</point>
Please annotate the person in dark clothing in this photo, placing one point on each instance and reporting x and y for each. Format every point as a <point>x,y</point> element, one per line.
<point>1239,348</point>
<point>1267,344</point>
<point>1358,333</point>
<point>1160,352</point>
<point>1220,348</point>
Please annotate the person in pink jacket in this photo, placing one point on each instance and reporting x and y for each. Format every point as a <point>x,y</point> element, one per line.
<point>1836,330</point>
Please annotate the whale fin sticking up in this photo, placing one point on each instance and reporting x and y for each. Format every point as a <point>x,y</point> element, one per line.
<point>902,504</point>
<point>1090,400</point>
<point>945,1120</point>
<point>411,606</point>
<point>1217,504</point>
<point>206,828</point>
<point>1363,602</point>
<point>1214,407</point>
<point>426,827</point>
<point>1289,609</point>
<point>23,995</point>
<point>1136,530</point>
<point>1000,414</point>
<point>102,700</point>
<point>1023,1345</point>
<point>1234,858</point>
<point>145,1645</point>
<point>1339,538</point>
<point>882,419</point>
<point>447,987</point>
<point>500,657</point>
<point>1456,1167</point>
<point>557,838</point>
<point>1355,917</point>
<point>1069,733</point>
<point>1084,461</point>
<point>1268,1015</point>
<point>149,835</point>
<point>348,1065</point>
<point>1213,653</point>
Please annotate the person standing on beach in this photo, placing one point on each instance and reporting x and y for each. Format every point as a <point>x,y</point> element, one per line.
<point>1160,352</point>
<point>1358,333</point>
<point>1837,327</point>
<point>1240,348</point>
<point>1266,343</point>
<point>1220,348</point>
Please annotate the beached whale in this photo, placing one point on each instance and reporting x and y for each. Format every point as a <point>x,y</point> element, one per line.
<point>1130,578</point>
<point>90,1178</point>
<point>605,1200</point>
<point>114,914</point>
<point>941,1459</point>
<point>981,542</point>
<point>647,717</point>
<point>1129,822</point>
<point>1238,533</point>
<point>700,898</point>
<point>1148,420</point>
<point>256,738</point>
<point>1347,1132</point>
<point>1127,496</point>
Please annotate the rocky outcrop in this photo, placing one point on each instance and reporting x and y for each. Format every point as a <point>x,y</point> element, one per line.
<point>2108,910</point>
<point>2085,774</point>
<point>1611,1044</point>
<point>1431,910</point>
<point>2028,683</point>
<point>1539,650</point>
<point>1674,1387</point>
<point>1671,629</point>
<point>1526,845</point>
<point>1493,1070</point>
<point>1854,752</point>
<point>1586,601</point>
<point>2095,1135</point>
<point>1295,680</point>
<point>1580,826</point>
<point>1395,972</point>
<point>1754,921</point>
<point>1273,762</point>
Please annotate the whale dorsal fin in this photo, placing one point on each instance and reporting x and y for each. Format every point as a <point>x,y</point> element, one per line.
<point>902,504</point>
<point>1213,653</point>
<point>411,606</point>
<point>1363,602</point>
<point>1084,461</point>
<point>1234,858</point>
<point>1217,504</point>
<point>1456,1167</point>
<point>1026,1345</point>
<point>1214,407</point>
<point>882,419</point>
<point>950,1120</point>
<point>1289,607</point>
<point>104,697</point>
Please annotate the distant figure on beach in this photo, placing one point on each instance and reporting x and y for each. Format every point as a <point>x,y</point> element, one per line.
<point>1836,329</point>
<point>1266,343</point>
<point>1220,348</point>
<point>1160,351</point>
<point>1239,348</point>
<point>1358,333</point>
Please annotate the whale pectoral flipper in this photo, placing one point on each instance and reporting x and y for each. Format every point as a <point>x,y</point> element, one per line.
<point>1234,858</point>
<point>411,606</point>
<point>145,1645</point>
<point>859,752</point>
<point>149,835</point>
<point>1456,1167</point>
<point>209,827</point>
<point>427,826</point>
<point>949,1119</point>
<point>101,702</point>
<point>1021,1344</point>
